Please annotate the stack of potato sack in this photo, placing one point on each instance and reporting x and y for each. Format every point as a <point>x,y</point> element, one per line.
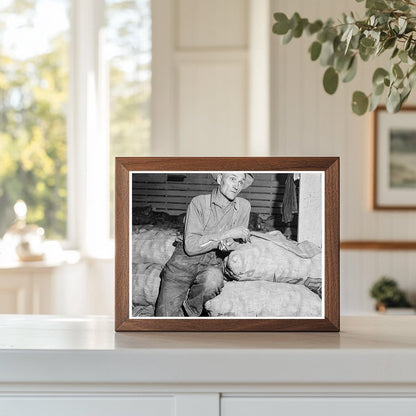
<point>271,276</point>
<point>151,247</point>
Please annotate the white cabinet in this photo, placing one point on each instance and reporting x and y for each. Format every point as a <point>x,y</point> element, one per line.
<point>203,405</point>
<point>89,406</point>
<point>323,406</point>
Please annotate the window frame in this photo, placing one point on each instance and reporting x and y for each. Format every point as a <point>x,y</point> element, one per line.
<point>87,133</point>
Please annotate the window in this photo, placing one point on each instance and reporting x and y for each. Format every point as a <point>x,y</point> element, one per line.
<point>33,98</point>
<point>75,87</point>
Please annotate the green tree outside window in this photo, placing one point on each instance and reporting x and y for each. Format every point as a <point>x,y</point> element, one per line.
<point>33,101</point>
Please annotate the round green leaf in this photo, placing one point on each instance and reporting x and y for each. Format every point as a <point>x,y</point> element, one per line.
<point>315,50</point>
<point>367,42</point>
<point>288,37</point>
<point>351,71</point>
<point>374,102</point>
<point>314,27</point>
<point>297,31</point>
<point>327,54</point>
<point>300,25</point>
<point>397,71</point>
<point>376,4</point>
<point>330,80</point>
<point>332,33</point>
<point>355,41</point>
<point>366,53</point>
<point>393,101</point>
<point>281,26</point>
<point>389,43</point>
<point>383,18</point>
<point>378,90</point>
<point>294,20</point>
<point>359,103</point>
<point>322,36</point>
<point>403,55</point>
<point>400,5</point>
<point>379,75</point>
<point>342,61</point>
<point>395,52</point>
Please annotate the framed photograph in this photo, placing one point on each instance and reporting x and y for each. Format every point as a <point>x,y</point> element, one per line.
<point>227,244</point>
<point>395,159</point>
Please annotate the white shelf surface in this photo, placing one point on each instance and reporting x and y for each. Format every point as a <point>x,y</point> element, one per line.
<point>53,349</point>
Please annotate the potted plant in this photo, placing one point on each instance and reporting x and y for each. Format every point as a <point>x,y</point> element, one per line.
<point>387,294</point>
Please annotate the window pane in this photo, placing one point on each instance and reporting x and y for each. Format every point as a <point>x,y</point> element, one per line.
<point>129,46</point>
<point>33,99</point>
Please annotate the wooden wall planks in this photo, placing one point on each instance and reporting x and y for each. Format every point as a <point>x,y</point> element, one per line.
<point>265,195</point>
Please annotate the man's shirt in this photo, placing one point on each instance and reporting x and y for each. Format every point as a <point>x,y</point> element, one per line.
<point>208,217</point>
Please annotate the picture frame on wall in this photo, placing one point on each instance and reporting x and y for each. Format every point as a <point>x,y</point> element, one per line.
<point>394,159</point>
<point>227,244</point>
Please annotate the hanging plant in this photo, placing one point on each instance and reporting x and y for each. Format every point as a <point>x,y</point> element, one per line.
<point>388,27</point>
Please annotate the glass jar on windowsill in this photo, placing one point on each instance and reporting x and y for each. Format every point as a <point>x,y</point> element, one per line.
<point>26,242</point>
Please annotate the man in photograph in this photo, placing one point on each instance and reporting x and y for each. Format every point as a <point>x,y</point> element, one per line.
<point>215,224</point>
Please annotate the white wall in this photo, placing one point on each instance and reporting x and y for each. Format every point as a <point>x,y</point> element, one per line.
<point>307,122</point>
<point>209,70</point>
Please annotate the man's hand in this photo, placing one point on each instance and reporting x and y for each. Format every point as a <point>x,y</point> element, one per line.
<point>227,245</point>
<point>238,232</point>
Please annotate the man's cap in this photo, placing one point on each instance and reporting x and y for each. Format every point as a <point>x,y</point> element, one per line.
<point>248,179</point>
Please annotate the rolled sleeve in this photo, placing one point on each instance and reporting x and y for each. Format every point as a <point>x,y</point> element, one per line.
<point>244,214</point>
<point>195,242</point>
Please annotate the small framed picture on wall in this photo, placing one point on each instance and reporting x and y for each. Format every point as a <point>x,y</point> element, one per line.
<point>394,159</point>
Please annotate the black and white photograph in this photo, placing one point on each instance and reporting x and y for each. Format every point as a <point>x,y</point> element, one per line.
<point>224,244</point>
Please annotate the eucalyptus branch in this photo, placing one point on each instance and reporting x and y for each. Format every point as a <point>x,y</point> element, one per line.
<point>388,25</point>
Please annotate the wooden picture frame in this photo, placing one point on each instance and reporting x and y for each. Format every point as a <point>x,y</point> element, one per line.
<point>326,169</point>
<point>394,159</point>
